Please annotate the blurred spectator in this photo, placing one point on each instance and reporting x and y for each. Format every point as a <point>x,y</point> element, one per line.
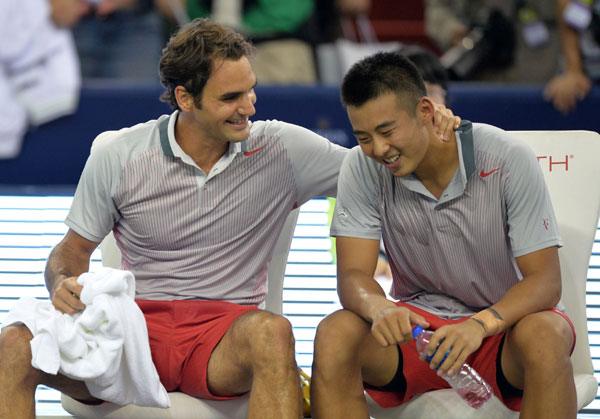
<point>120,39</point>
<point>495,40</point>
<point>579,30</point>
<point>284,32</point>
<point>279,29</point>
<point>39,70</point>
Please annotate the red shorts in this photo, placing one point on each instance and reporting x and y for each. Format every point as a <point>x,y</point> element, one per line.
<point>420,378</point>
<point>183,334</point>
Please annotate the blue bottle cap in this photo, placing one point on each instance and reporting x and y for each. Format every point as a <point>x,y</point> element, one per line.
<point>417,331</point>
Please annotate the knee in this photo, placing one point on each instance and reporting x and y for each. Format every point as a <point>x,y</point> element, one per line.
<point>14,342</point>
<point>542,339</point>
<point>15,351</point>
<point>338,337</point>
<point>272,336</point>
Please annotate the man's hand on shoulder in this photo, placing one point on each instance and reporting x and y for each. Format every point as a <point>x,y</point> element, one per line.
<point>392,325</point>
<point>65,296</point>
<point>445,122</point>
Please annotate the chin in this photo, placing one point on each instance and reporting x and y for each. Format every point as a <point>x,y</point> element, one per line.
<point>239,136</point>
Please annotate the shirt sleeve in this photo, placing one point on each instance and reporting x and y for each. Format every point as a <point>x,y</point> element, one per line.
<point>532,225</point>
<point>93,212</point>
<point>315,160</point>
<point>356,211</point>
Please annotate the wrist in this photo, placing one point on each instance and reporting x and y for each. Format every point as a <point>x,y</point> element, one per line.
<point>491,319</point>
<point>482,324</point>
<point>376,306</point>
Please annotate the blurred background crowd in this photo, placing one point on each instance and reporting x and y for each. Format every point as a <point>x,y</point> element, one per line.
<point>50,47</point>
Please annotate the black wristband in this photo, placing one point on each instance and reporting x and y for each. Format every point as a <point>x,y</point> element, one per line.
<point>495,313</point>
<point>482,324</point>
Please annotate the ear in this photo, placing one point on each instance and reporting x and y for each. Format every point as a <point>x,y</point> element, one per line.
<point>425,110</point>
<point>184,99</point>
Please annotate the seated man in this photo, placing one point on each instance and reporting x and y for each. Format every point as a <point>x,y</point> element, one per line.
<point>197,200</point>
<point>472,242</point>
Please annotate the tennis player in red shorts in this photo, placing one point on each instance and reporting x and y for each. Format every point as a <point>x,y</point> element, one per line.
<point>470,234</point>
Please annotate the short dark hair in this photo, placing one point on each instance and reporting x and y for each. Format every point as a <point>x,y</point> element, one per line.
<point>188,57</point>
<point>383,72</point>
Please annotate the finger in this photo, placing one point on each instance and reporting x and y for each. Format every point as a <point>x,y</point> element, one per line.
<point>449,128</point>
<point>69,299</point>
<point>434,342</point>
<point>457,122</point>
<point>61,306</point>
<point>66,305</point>
<point>74,288</point>
<point>381,336</point>
<point>563,107</point>
<point>443,128</point>
<point>459,361</point>
<point>438,117</point>
<point>448,352</point>
<point>418,319</point>
<point>395,329</point>
<point>443,351</point>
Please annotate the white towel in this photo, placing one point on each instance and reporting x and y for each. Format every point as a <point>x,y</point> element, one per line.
<point>106,345</point>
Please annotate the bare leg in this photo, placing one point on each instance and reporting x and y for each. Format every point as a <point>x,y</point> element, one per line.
<point>257,354</point>
<point>346,355</point>
<point>18,379</point>
<point>535,357</point>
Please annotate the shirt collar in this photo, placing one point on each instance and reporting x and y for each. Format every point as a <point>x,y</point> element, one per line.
<point>466,167</point>
<point>466,153</point>
<point>166,130</point>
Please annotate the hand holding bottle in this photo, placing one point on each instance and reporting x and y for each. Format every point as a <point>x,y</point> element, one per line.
<point>467,382</point>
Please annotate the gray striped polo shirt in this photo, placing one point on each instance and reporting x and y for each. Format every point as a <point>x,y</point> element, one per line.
<point>186,234</point>
<point>455,255</point>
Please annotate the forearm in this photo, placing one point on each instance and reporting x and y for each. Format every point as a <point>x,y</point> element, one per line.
<point>64,262</point>
<point>569,41</point>
<point>362,294</point>
<point>526,297</point>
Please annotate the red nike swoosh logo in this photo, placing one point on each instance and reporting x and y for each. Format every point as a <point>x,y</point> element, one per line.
<point>486,174</point>
<point>249,153</point>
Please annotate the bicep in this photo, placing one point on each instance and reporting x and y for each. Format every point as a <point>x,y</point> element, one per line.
<point>356,255</point>
<point>542,266</point>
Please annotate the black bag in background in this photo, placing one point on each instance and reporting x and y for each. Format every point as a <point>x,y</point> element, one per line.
<point>489,43</point>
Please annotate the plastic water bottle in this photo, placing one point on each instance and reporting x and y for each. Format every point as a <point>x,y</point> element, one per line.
<point>466,382</point>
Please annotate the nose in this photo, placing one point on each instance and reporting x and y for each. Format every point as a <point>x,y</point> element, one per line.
<point>380,147</point>
<point>247,104</point>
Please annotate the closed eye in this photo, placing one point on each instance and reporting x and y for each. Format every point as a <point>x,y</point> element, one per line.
<point>229,98</point>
